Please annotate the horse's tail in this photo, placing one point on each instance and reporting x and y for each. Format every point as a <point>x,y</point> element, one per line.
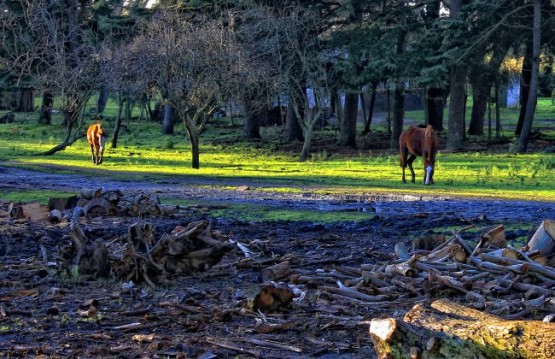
<point>402,149</point>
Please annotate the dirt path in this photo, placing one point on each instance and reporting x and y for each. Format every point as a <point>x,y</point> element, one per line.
<point>205,190</point>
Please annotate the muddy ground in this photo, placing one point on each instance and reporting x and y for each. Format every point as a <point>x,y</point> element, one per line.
<point>47,312</point>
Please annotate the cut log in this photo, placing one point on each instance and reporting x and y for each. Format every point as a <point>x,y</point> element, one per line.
<point>449,330</point>
<point>494,236</point>
<point>401,251</point>
<point>62,204</point>
<point>89,193</point>
<point>505,252</point>
<point>276,272</point>
<point>55,216</point>
<point>273,297</point>
<point>402,268</point>
<point>98,207</point>
<point>540,259</point>
<point>543,239</point>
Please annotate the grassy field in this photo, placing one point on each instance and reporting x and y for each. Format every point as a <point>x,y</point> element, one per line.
<point>142,150</point>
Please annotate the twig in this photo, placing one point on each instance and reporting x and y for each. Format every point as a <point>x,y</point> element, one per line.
<point>272,344</point>
<point>219,343</point>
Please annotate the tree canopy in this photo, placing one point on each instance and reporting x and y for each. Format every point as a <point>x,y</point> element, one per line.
<point>199,54</point>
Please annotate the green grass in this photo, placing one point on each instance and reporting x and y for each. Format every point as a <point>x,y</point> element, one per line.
<point>142,151</point>
<point>40,196</point>
<point>257,213</point>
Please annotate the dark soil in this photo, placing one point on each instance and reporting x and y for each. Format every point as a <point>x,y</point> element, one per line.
<point>44,311</point>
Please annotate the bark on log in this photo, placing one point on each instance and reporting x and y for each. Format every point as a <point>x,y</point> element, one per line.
<point>90,193</point>
<point>98,207</point>
<point>505,252</point>
<point>449,330</point>
<point>544,238</point>
<point>495,236</point>
<point>276,272</point>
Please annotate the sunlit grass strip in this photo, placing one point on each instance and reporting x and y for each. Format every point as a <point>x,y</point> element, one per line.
<point>141,154</point>
<point>40,196</point>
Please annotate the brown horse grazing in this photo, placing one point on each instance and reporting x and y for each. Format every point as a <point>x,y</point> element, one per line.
<point>97,139</point>
<point>418,141</point>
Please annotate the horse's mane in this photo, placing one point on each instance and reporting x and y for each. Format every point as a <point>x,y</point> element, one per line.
<point>429,137</point>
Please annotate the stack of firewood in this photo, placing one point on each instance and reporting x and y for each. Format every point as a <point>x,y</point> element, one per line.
<point>510,284</point>
<point>490,274</point>
<point>486,276</point>
<point>97,202</point>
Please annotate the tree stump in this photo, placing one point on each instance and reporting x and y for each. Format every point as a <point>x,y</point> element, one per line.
<point>449,330</point>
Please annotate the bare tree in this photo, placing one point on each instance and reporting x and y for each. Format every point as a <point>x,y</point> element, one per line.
<point>195,64</point>
<point>303,69</point>
<point>256,29</point>
<point>55,53</point>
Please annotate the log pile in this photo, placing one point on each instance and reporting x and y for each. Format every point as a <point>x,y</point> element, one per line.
<point>449,330</point>
<point>487,276</point>
<point>93,202</point>
<point>99,202</point>
<point>506,281</point>
<point>140,256</point>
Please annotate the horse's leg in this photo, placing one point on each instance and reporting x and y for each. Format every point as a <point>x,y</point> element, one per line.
<point>98,158</point>
<point>102,143</point>
<point>404,161</point>
<point>92,152</point>
<point>410,160</point>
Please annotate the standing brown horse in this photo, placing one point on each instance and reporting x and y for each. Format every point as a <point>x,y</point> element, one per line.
<point>418,141</point>
<point>97,139</point>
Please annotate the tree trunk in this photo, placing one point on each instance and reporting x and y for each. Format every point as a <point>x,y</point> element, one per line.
<point>532,96</point>
<point>525,79</point>
<point>73,31</point>
<point>70,118</point>
<point>26,100</point>
<point>497,111</point>
<point>45,115</point>
<point>128,109</point>
<point>455,126</point>
<point>102,100</point>
<point>195,151</point>
<point>348,127</point>
<point>251,128</point>
<point>293,130</point>
<point>308,129</point>
<point>450,330</point>
<point>435,106</point>
<point>307,144</point>
<point>457,102</point>
<point>481,88</point>
<point>118,8</point>
<point>334,101</point>
<point>398,114</point>
<point>117,124</point>
<point>254,116</point>
<point>371,110</point>
<point>168,122</point>
<point>149,111</point>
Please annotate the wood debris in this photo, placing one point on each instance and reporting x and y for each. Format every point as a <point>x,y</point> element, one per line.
<point>508,282</point>
<point>142,256</point>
